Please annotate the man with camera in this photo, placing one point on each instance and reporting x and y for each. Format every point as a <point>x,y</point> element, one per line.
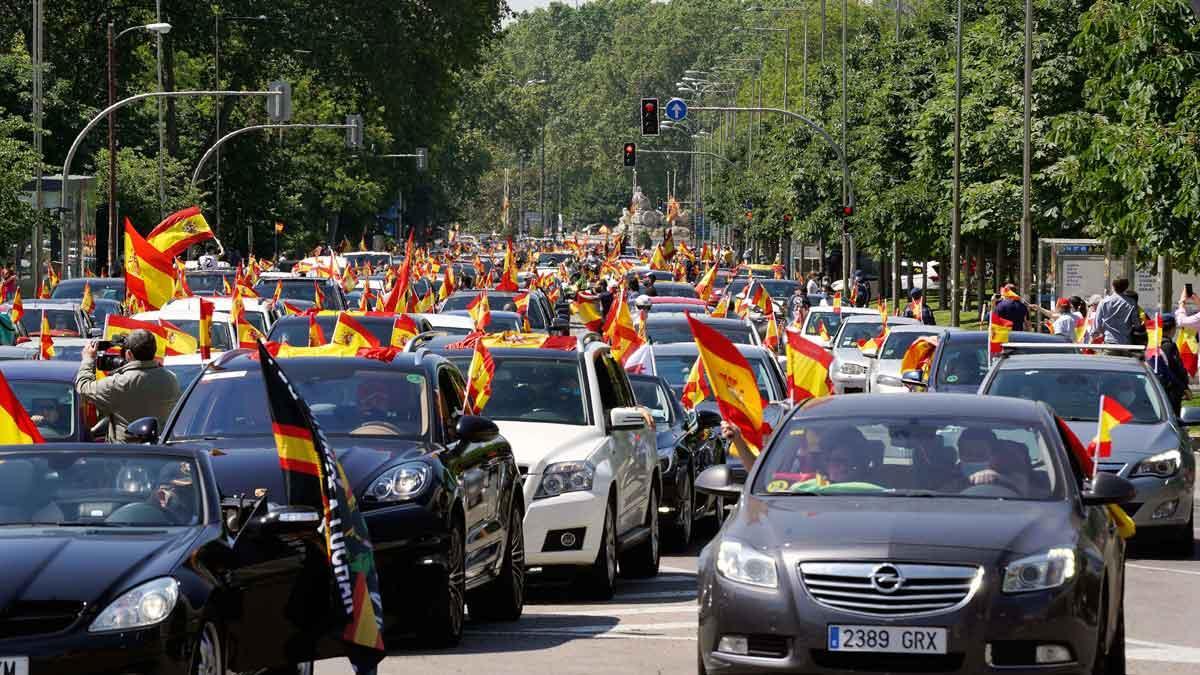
<point>137,387</point>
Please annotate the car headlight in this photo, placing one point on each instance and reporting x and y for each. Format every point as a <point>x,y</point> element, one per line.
<point>402,482</point>
<point>852,369</point>
<point>140,606</point>
<point>1162,465</point>
<point>566,477</point>
<point>1040,572</point>
<point>740,563</point>
<point>889,381</point>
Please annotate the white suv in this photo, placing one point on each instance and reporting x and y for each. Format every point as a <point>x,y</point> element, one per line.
<point>588,457</point>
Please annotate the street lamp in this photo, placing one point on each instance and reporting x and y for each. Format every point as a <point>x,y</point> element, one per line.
<point>217,77</point>
<point>157,29</point>
<point>787,44</point>
<point>542,158</point>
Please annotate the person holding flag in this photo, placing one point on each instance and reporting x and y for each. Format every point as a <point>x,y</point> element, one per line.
<point>734,389</point>
<point>140,388</point>
<point>1162,355</point>
<point>916,308</point>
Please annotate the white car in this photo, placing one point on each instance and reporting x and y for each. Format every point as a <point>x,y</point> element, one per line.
<point>589,459</point>
<point>222,333</point>
<point>453,324</point>
<point>825,316</point>
<point>883,373</point>
<point>260,312</point>
<point>848,370</point>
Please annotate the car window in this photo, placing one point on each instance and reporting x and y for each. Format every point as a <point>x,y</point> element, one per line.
<point>185,373</point>
<point>964,362</point>
<point>51,406</point>
<point>853,333</point>
<point>606,386</point>
<point>669,332</point>
<point>210,284</point>
<point>534,390</point>
<point>899,456</point>
<point>301,289</point>
<point>651,394</point>
<point>620,380</point>
<point>1075,394</point>
<point>218,332</point>
<point>830,320</point>
<point>63,322</point>
<point>675,370</point>
<point>897,344</point>
<point>450,404</point>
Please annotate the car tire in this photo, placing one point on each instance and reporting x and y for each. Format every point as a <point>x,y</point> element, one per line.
<point>642,560</point>
<point>294,669</point>
<point>1182,539</point>
<point>503,599</point>
<point>599,580</point>
<point>681,530</point>
<point>208,658</point>
<point>1110,661</point>
<point>443,625</point>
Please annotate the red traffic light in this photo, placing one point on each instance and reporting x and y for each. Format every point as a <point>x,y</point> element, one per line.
<point>629,148</point>
<point>847,210</point>
<point>787,217</point>
<point>650,106</point>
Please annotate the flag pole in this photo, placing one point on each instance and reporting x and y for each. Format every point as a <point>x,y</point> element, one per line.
<point>1096,450</point>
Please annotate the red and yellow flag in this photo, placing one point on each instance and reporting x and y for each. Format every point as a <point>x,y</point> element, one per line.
<point>696,388</point>
<point>204,329</point>
<point>149,274</point>
<point>619,332</point>
<point>350,333</point>
<point>732,382</point>
<point>318,296</point>
<point>45,341</point>
<point>178,340</point>
<point>771,340</point>
<point>16,428</point>
<point>1112,414</point>
<point>586,306</point>
<point>87,303</point>
<point>427,301</point>
<point>316,336</point>
<point>508,277</point>
<point>404,328</point>
<point>807,368</point>
<point>123,325</point>
<point>449,284</point>
<point>1008,293</point>
<point>247,334</point>
<point>1153,338</point>
<point>721,311</point>
<point>178,231</point>
<point>999,329</point>
<point>1189,349</point>
<point>480,311</point>
<point>44,289</point>
<point>704,287</point>
<point>479,379</point>
<point>17,310</point>
<point>919,353</point>
<point>837,302</point>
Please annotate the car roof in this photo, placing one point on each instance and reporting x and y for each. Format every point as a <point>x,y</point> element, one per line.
<point>95,281</point>
<point>677,299</point>
<point>1072,361</point>
<point>52,303</point>
<point>40,370</point>
<point>907,405</point>
<point>845,310</point>
<point>866,318</point>
<point>917,327</point>
<point>1015,336</point>
<point>680,317</point>
<point>246,359</point>
<point>173,450</point>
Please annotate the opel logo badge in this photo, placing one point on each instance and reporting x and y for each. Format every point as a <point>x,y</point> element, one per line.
<point>887,579</point>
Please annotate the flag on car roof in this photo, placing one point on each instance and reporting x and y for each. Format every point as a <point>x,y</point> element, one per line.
<point>619,332</point>
<point>404,328</point>
<point>204,329</point>
<point>696,388</point>
<point>771,341</point>
<point>316,336</point>
<point>318,296</point>
<point>479,379</point>
<point>1112,414</point>
<point>999,329</point>
<point>45,341</point>
<point>704,287</point>
<point>149,274</point>
<point>179,231</point>
<point>732,383</point>
<point>480,311</point>
<point>314,477</point>
<point>16,427</point>
<point>247,334</point>
<point>807,368</point>
<point>449,284</point>
<point>87,303</point>
<point>349,332</point>
<point>508,277</point>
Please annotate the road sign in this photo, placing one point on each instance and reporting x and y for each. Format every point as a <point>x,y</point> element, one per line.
<point>422,159</point>
<point>279,107</point>
<point>676,110</point>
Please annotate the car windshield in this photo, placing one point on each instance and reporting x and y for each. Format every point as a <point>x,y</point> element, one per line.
<point>108,488</point>
<point>63,322</point>
<point>649,394</point>
<point>185,373</point>
<point>51,405</point>
<point>963,363</point>
<point>218,332</point>
<point>897,344</point>
<point>668,332</point>
<point>904,456</point>
<point>100,291</point>
<point>830,320</point>
<point>344,400</point>
<point>209,283</point>
<point>300,289</point>
<point>852,333</point>
<point>675,370</point>
<point>533,390</point>
<point>1075,393</point>
<point>776,288</point>
<point>294,330</point>
<point>498,323</point>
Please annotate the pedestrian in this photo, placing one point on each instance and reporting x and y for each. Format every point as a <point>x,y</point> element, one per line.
<point>648,286</point>
<point>1169,366</point>
<point>862,290</point>
<point>814,286</point>
<point>1092,334</point>
<point>797,303</point>
<point>1116,316</point>
<point>140,388</point>
<point>1063,322</point>
<point>1013,310</point>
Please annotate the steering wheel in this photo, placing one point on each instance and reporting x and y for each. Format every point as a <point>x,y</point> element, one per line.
<point>549,414</point>
<point>140,513</point>
<point>997,489</point>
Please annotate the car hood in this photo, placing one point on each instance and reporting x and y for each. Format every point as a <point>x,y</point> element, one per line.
<point>1131,442</point>
<point>832,527</point>
<point>535,443</point>
<point>78,564</point>
<point>850,355</point>
<point>245,465</point>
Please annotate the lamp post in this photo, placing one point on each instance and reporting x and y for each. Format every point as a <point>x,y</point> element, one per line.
<point>158,29</point>
<point>956,219</point>
<point>541,160</point>
<point>787,43</point>
<point>217,85</point>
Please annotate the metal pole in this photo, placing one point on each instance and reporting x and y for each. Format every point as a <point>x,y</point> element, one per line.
<point>1026,179</point>
<point>822,33</point>
<point>162,130</point>
<point>216,147</point>
<point>217,73</point>
<point>112,154</point>
<point>787,46</point>
<point>956,216</point>
<point>38,197</point>
<point>804,87</point>
<point>847,263</point>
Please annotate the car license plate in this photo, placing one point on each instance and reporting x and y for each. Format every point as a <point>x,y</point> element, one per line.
<point>887,639</point>
<point>14,665</point>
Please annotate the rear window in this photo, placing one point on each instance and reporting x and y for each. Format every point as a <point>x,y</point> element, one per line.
<point>898,343</point>
<point>1075,394</point>
<point>662,333</point>
<point>829,320</point>
<point>852,333</point>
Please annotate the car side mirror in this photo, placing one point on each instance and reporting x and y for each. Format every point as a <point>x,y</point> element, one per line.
<point>142,431</point>
<point>1108,488</point>
<point>626,419</point>
<point>95,333</point>
<point>708,419</point>
<point>1190,416</point>
<point>473,429</point>
<point>718,481</point>
<point>292,520</point>
<point>914,378</point>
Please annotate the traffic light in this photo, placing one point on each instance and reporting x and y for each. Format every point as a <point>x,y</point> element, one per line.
<point>847,210</point>
<point>354,131</point>
<point>630,154</point>
<point>422,159</point>
<point>649,117</point>
<point>279,107</point>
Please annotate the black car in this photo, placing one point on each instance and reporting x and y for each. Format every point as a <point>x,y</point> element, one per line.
<point>961,360</point>
<point>212,281</point>
<point>439,490</point>
<point>675,289</point>
<point>103,288</point>
<point>899,533</point>
<point>539,313</point>
<point>294,329</point>
<point>124,559</point>
<point>303,289</point>
<point>687,445</point>
<point>46,389</point>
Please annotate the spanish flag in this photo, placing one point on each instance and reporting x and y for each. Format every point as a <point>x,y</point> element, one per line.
<point>1153,339</point>
<point>696,388</point>
<point>449,285</point>
<point>87,303</point>
<point>480,311</point>
<point>349,332</point>
<point>999,329</point>
<point>204,329</point>
<point>704,287</point>
<point>17,310</point>
<point>508,278</point>
<point>52,276</point>
<point>318,296</point>
<point>837,302</point>
<point>362,242</point>
<point>247,334</point>
<point>226,289</point>
<point>619,332</point>
<point>479,379</point>
<point>364,300</point>
<point>316,336</point>
<point>807,368</point>
<point>771,341</point>
<point>314,477</point>
<point>182,290</point>
<point>721,311</point>
<point>1008,293</point>
<point>586,306</point>
<point>427,301</point>
<point>658,261</point>
<point>278,291</point>
<point>349,279</point>
<point>16,428</point>
<point>668,243</point>
<point>45,341</point>
<point>1189,349</point>
<point>164,346</point>
<point>44,290</point>
<point>733,384</point>
<point>178,340</point>
<point>919,353</point>
<point>149,274</point>
<point>1112,414</point>
<point>178,231</point>
<point>404,328</point>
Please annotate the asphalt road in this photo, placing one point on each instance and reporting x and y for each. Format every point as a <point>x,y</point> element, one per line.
<point>649,627</point>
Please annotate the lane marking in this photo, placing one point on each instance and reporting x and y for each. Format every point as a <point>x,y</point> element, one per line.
<point>659,595</point>
<point>689,608</point>
<point>599,636</point>
<point>1160,652</point>
<point>677,570</point>
<point>1192,573</point>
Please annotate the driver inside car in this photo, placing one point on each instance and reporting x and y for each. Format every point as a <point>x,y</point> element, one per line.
<point>1008,466</point>
<point>557,393</point>
<point>176,493</point>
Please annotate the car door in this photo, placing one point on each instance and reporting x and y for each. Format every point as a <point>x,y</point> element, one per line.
<point>643,445</point>
<point>620,443</point>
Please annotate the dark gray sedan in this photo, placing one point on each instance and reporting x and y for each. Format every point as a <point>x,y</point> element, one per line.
<point>867,538</point>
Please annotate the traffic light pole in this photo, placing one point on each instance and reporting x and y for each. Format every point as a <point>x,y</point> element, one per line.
<point>685,152</point>
<point>245,130</point>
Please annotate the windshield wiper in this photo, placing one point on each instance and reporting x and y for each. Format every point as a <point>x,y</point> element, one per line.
<point>1079,419</point>
<point>913,493</point>
<point>788,493</point>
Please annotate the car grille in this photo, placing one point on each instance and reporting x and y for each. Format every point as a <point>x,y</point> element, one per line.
<point>38,618</point>
<point>889,589</point>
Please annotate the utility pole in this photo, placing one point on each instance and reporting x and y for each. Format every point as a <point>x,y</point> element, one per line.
<point>36,245</point>
<point>112,159</point>
<point>822,33</point>
<point>1026,178</point>
<point>896,234</point>
<point>162,129</point>
<point>847,252</point>
<point>956,218</point>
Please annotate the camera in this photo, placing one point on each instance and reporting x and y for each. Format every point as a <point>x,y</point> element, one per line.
<point>109,362</point>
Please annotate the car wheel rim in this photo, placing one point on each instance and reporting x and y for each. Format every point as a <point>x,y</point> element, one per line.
<point>457,580</point>
<point>208,652</point>
<point>517,558</point>
<point>610,549</point>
